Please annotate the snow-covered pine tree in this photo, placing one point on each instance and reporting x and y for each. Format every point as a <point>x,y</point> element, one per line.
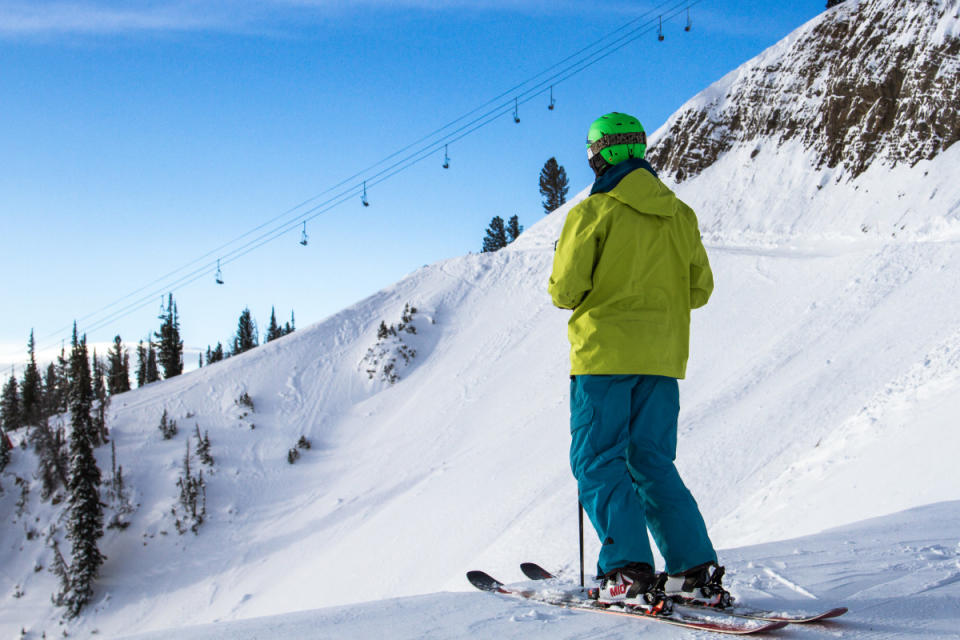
<point>60,569</point>
<point>246,336</point>
<point>152,370</point>
<point>290,327</point>
<point>141,364</point>
<point>203,446</point>
<point>116,493</point>
<point>193,497</point>
<point>496,237</point>
<point>118,368</point>
<point>52,460</point>
<point>31,389</point>
<point>553,185</point>
<point>49,395</point>
<point>4,449</point>
<point>85,513</point>
<point>62,395</point>
<point>100,395</point>
<point>274,331</point>
<point>169,343</point>
<point>10,413</point>
<point>514,228</point>
<point>168,427</point>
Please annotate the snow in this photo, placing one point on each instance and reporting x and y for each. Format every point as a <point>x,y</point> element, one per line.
<point>822,391</point>
<point>817,433</point>
<point>906,584</point>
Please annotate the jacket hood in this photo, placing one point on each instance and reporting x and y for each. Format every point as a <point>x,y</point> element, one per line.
<point>635,184</point>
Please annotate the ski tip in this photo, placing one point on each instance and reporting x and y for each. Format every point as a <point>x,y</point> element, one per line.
<point>535,571</point>
<point>483,581</point>
<point>834,613</point>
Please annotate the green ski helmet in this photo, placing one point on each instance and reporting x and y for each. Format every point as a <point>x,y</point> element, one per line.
<point>613,138</point>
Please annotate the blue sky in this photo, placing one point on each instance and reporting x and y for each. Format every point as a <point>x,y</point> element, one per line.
<point>137,137</point>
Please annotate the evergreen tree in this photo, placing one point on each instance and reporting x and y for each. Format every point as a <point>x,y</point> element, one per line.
<point>62,571</point>
<point>5,448</point>
<point>246,337</point>
<point>63,382</point>
<point>118,368</point>
<point>203,447</point>
<point>80,392</point>
<point>85,519</point>
<point>31,390</point>
<point>833,3</point>
<point>152,372</point>
<point>553,185</point>
<point>193,497</point>
<point>214,355</point>
<point>169,342</point>
<point>50,386</point>
<point>289,327</point>
<point>496,238</point>
<point>514,229</point>
<point>100,395</point>
<point>274,331</point>
<point>141,364</point>
<point>51,456</point>
<point>10,411</point>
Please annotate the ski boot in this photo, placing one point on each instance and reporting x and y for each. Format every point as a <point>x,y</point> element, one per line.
<point>701,586</point>
<point>634,586</point>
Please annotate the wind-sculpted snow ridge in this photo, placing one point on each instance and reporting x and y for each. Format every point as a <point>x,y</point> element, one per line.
<point>867,81</point>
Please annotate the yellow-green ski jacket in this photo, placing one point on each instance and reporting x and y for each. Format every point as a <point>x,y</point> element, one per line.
<point>631,265</point>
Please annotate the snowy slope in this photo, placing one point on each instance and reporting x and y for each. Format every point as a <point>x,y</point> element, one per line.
<point>906,584</point>
<point>822,391</point>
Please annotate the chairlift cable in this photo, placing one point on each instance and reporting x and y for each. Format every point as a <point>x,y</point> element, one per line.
<point>404,163</point>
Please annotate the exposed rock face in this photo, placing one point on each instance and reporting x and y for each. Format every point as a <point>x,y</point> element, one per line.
<point>868,81</point>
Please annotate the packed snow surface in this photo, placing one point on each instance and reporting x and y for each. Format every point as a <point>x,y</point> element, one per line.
<point>906,584</point>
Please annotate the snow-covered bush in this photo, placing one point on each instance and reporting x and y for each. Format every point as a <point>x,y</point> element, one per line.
<point>168,426</point>
<point>384,358</point>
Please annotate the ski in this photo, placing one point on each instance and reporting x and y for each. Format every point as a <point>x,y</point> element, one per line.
<point>536,572</point>
<point>716,621</point>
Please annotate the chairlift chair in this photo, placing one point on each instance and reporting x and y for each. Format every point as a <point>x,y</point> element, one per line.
<point>363,197</point>
<point>660,30</point>
<point>303,235</point>
<point>446,158</point>
<point>219,277</point>
<point>516,109</point>
<point>552,101</point>
<point>689,24</point>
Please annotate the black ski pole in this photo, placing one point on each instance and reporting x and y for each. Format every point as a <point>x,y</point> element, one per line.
<point>582,584</point>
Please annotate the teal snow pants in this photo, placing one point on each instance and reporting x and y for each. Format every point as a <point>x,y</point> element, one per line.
<point>624,442</point>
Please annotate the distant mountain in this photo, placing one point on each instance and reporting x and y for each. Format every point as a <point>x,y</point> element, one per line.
<point>865,82</point>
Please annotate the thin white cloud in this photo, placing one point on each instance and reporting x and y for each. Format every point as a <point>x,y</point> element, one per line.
<point>96,17</point>
<point>38,18</point>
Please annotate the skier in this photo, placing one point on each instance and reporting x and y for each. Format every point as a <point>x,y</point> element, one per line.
<point>631,265</point>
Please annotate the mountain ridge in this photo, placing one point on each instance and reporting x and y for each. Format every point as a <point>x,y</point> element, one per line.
<point>867,81</point>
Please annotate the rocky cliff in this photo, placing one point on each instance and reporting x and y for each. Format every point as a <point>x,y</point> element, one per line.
<point>867,81</point>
